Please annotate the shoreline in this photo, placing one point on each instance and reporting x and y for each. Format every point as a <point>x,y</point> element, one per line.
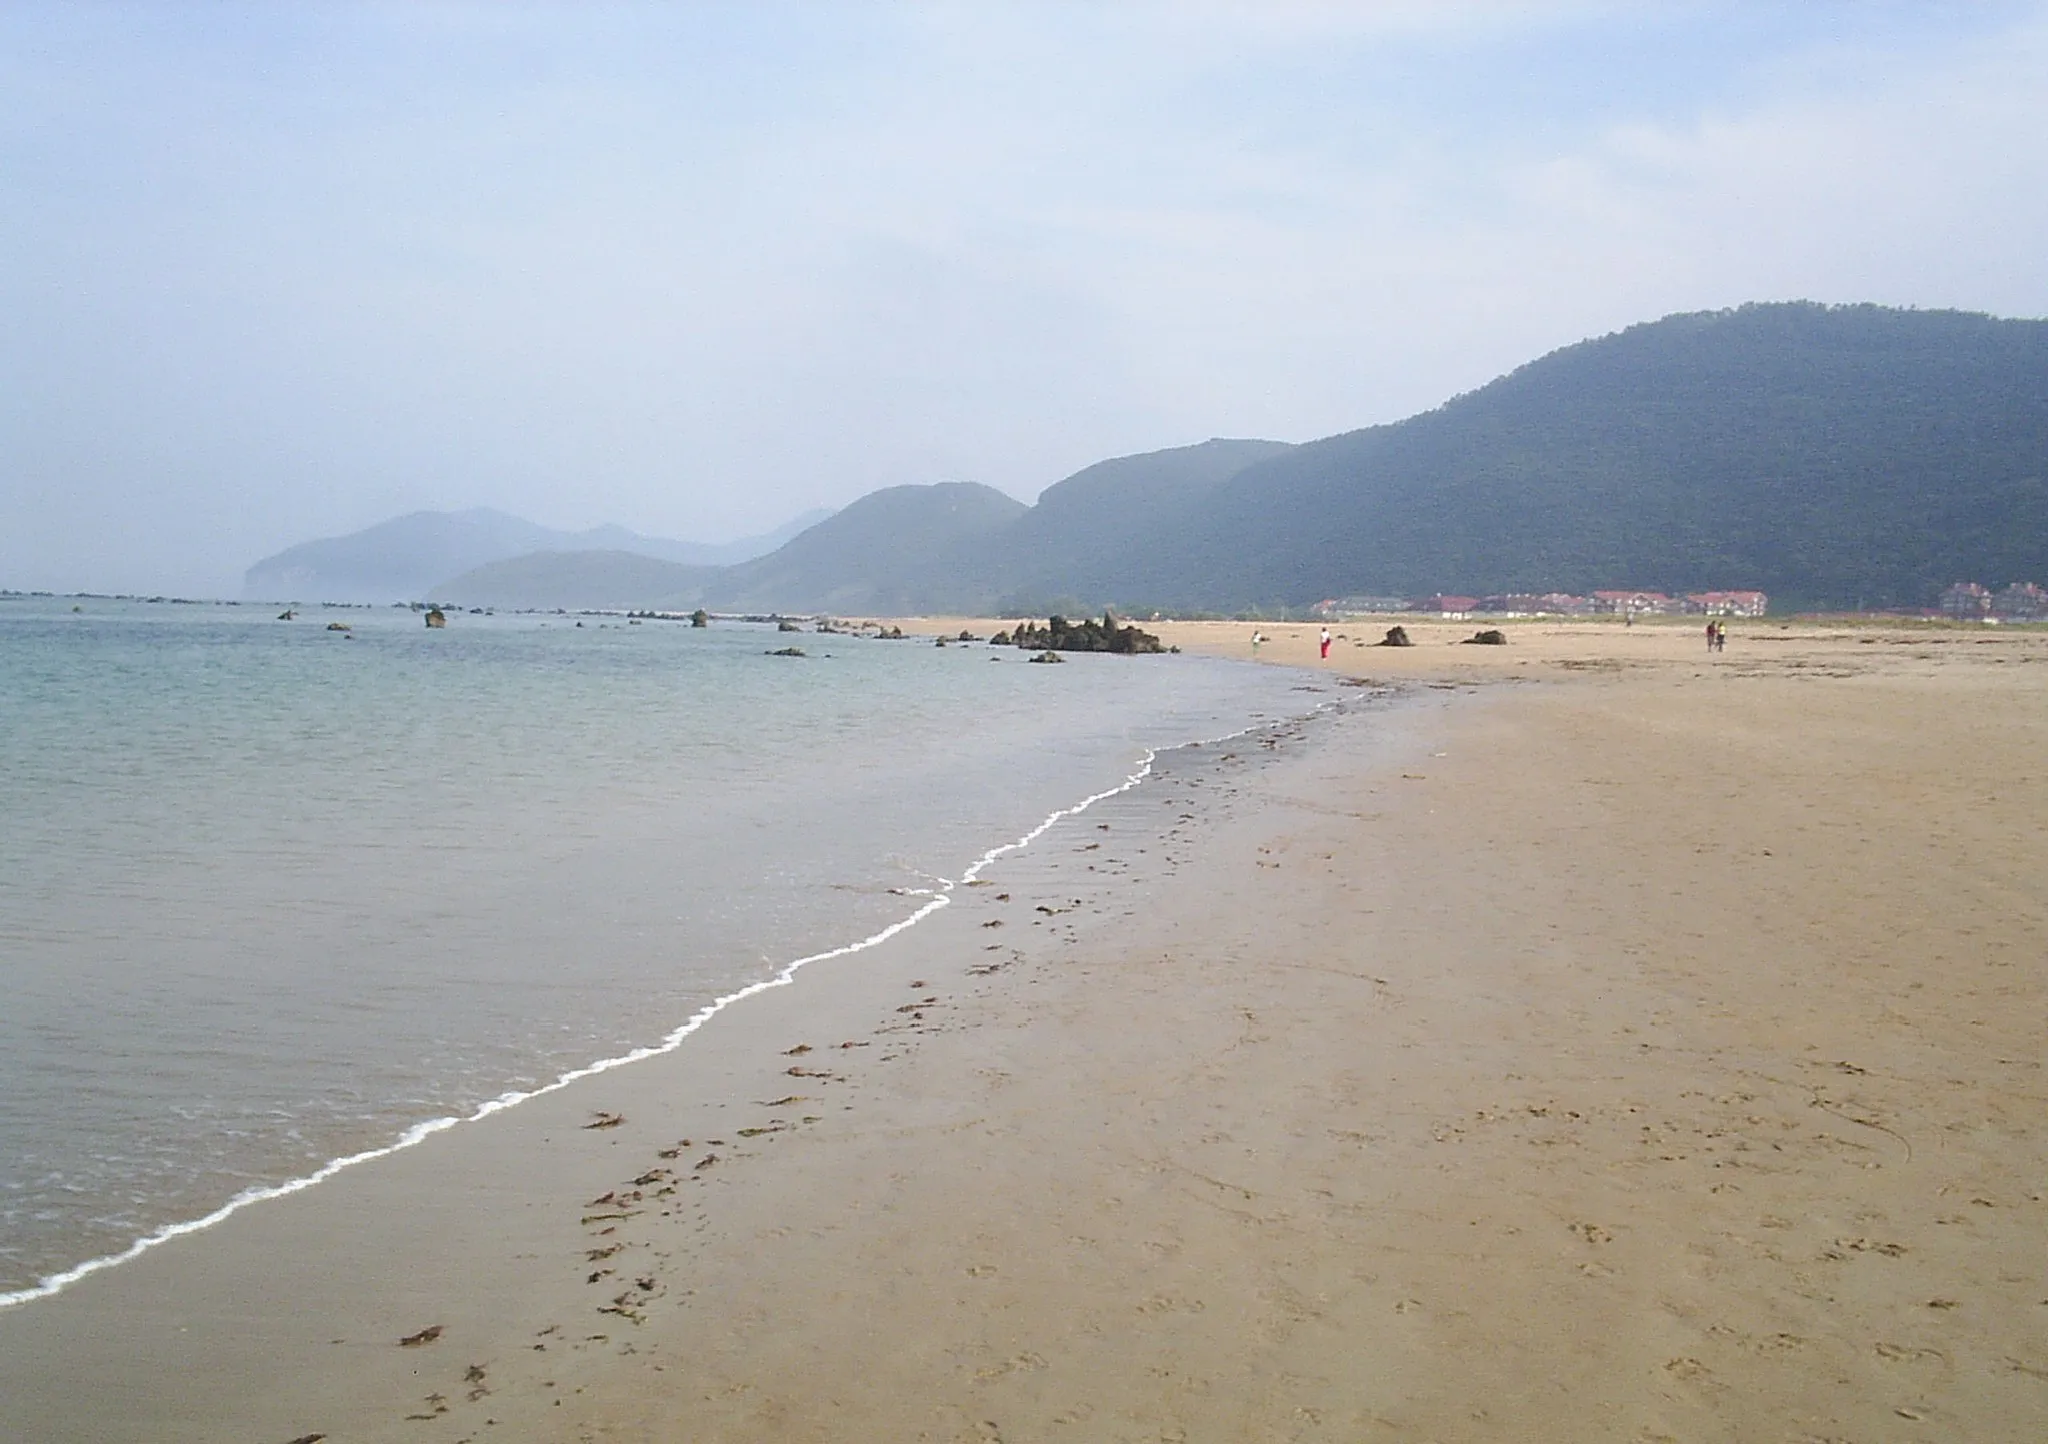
<point>228,1305</point>
<point>1652,1052</point>
<point>936,897</point>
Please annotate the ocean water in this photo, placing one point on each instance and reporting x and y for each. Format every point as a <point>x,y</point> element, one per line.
<point>272,896</point>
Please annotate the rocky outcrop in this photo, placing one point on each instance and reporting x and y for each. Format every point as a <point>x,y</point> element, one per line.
<point>1061,635</point>
<point>1491,637</point>
<point>1395,637</point>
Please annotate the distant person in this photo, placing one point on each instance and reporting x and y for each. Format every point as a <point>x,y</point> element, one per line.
<point>1256,639</point>
<point>1713,633</point>
<point>1326,644</point>
<point>1720,637</point>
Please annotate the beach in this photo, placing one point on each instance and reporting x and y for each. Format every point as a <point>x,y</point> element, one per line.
<point>1588,1038</point>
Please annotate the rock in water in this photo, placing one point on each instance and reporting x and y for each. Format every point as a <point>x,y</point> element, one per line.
<point>1061,635</point>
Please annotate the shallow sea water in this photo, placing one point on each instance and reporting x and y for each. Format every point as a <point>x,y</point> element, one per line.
<point>272,895</point>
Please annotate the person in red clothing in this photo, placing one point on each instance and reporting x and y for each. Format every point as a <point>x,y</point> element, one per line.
<point>1326,644</point>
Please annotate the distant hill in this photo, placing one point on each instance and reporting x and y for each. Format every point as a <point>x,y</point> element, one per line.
<point>403,559</point>
<point>895,551</point>
<point>1077,546</point>
<point>597,579</point>
<point>1826,455</point>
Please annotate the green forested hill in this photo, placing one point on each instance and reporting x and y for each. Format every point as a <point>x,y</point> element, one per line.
<point>1076,544</point>
<point>1829,456</point>
<point>1821,454</point>
<point>895,551</point>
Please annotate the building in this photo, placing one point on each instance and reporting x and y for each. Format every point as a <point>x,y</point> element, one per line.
<point>2021,602</point>
<point>1966,601</point>
<point>1359,606</point>
<point>1727,604</point>
<point>1535,604</point>
<point>1638,604</point>
<point>1446,606</point>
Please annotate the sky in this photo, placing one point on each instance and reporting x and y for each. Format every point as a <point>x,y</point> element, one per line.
<point>273,272</point>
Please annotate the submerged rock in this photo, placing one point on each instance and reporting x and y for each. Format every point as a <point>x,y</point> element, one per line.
<point>788,652</point>
<point>1048,656</point>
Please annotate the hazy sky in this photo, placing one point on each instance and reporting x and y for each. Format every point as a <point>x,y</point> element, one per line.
<point>275,271</point>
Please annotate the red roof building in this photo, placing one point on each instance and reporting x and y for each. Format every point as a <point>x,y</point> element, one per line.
<point>1727,604</point>
<point>1448,606</point>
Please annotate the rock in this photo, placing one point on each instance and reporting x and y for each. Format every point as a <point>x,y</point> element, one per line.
<point>337,626</point>
<point>967,636</point>
<point>1491,637</point>
<point>1000,639</point>
<point>788,652</point>
<point>287,615</point>
<point>1061,635</point>
<point>437,618</point>
<point>785,625</point>
<point>700,618</point>
<point>1048,656</point>
<point>1395,637</point>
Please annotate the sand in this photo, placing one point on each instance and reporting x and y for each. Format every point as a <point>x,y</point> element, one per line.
<point>1584,1039</point>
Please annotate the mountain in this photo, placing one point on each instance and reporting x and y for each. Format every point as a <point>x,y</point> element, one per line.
<point>600,579</point>
<point>1081,537</point>
<point>1823,454</point>
<point>898,551</point>
<point>1827,455</point>
<point>403,559</point>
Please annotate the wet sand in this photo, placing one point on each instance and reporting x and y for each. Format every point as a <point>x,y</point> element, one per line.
<point>1590,1039</point>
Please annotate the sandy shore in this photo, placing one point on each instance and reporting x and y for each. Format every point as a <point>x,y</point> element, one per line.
<point>1586,1039</point>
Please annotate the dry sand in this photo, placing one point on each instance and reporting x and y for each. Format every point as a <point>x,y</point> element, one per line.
<point>1591,1040</point>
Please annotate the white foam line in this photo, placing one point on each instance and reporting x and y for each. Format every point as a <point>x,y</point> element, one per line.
<point>420,1132</point>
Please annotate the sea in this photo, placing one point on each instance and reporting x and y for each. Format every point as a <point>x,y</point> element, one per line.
<point>277,897</point>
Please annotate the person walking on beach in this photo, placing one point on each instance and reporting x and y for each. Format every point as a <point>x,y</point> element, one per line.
<point>1326,644</point>
<point>1256,639</point>
<point>1713,633</point>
